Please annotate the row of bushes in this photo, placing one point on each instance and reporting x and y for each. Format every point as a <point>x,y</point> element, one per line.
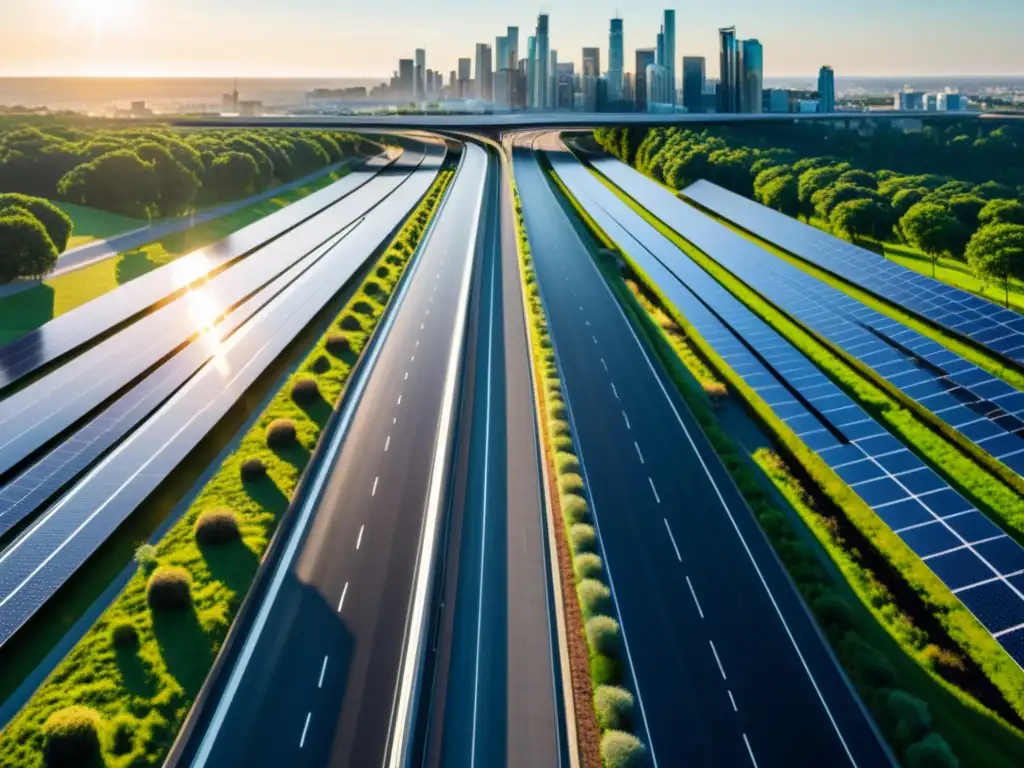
<point>157,171</point>
<point>976,643</point>
<point>33,234</point>
<point>139,668</point>
<point>612,703</point>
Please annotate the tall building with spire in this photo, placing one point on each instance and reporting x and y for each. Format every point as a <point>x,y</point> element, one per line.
<point>729,71</point>
<point>669,51</point>
<point>541,86</point>
<point>615,59</point>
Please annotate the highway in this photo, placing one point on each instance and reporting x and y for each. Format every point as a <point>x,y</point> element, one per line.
<point>51,550</point>
<point>66,333</point>
<point>728,667</point>
<point>317,680</point>
<point>495,677</point>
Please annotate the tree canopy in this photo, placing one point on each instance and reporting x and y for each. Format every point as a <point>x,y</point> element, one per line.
<point>932,229</point>
<point>996,252</point>
<point>25,248</point>
<point>58,224</point>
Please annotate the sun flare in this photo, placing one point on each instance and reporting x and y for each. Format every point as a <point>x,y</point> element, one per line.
<point>101,15</point>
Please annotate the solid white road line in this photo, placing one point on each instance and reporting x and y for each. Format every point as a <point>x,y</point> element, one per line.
<point>717,660</point>
<point>657,498</point>
<point>749,750</point>
<point>322,670</point>
<point>638,451</point>
<point>375,481</point>
<point>302,741</point>
<point>359,540</point>
<point>695,600</point>
<point>344,591</point>
<point>670,536</point>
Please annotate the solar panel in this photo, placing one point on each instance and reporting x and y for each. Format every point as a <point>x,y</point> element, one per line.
<point>37,414</point>
<point>956,391</point>
<point>982,565</point>
<point>66,333</point>
<point>998,328</point>
<point>48,553</point>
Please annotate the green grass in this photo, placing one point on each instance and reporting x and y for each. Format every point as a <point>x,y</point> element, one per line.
<point>27,310</point>
<point>972,730</point>
<point>93,224</point>
<point>149,690</point>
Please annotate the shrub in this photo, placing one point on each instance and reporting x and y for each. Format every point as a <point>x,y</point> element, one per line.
<point>305,391</point>
<point>931,752</point>
<point>583,538</point>
<point>603,635</point>
<point>350,322</point>
<point>575,509</point>
<point>603,671</point>
<point>362,308</point>
<point>145,557</point>
<point>383,272</point>
<point>566,463</point>
<point>907,717</point>
<point>570,484</point>
<point>169,589</point>
<point>559,427</point>
<point>562,443</point>
<point>124,735</point>
<point>281,433</point>
<point>865,663</point>
<point>556,409</point>
<point>595,598</point>
<point>833,614</point>
<point>124,635</point>
<point>323,364</point>
<point>614,707</point>
<point>71,737</point>
<point>622,750</point>
<point>252,470</point>
<point>588,566</point>
<point>217,527</point>
<point>338,344</point>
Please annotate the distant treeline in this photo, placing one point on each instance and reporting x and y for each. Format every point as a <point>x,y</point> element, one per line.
<point>946,191</point>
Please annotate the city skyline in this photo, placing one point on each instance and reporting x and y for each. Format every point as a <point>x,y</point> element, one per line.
<point>315,39</point>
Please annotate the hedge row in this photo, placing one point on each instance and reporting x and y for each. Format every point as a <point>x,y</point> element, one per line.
<point>612,703</point>
<point>139,668</point>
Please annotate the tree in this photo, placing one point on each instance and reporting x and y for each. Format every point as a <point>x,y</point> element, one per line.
<point>177,185</point>
<point>993,190</point>
<point>781,193</point>
<point>859,178</point>
<point>231,175</point>
<point>1002,212</point>
<point>25,248</point>
<point>815,179</point>
<point>932,229</point>
<point>863,217</point>
<point>904,199</point>
<point>58,224</point>
<point>997,252</point>
<point>966,209</point>
<point>825,200</point>
<point>119,181</point>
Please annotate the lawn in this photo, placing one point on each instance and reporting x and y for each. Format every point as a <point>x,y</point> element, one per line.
<point>92,224</point>
<point>142,692</point>
<point>27,310</point>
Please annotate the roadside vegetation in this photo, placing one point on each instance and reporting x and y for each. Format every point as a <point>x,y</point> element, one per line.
<point>921,686</point>
<point>948,192</point>
<point>124,690</point>
<point>605,720</point>
<point>141,173</point>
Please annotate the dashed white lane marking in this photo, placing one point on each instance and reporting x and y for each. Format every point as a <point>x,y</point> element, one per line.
<point>302,741</point>
<point>412,359</point>
<point>604,364</point>
<point>399,399</point>
<point>322,670</point>
<point>421,326</point>
<point>588,323</point>
<point>581,307</point>
<point>638,451</point>
<point>394,420</point>
<point>406,375</point>
<point>695,600</point>
<point>718,661</point>
<point>375,481</point>
<point>627,420</point>
<point>359,540</point>
<point>671,538</point>
<point>387,443</point>
<point>657,498</point>
<point>749,750</point>
<point>417,343</point>
<point>615,392</point>
<point>344,591</point>
<point>732,701</point>
<point>594,338</point>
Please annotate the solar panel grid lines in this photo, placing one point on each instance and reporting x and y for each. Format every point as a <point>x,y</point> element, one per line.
<point>953,389</point>
<point>998,328</point>
<point>982,565</point>
<point>67,332</point>
<point>35,415</point>
<point>24,494</point>
<point>51,549</point>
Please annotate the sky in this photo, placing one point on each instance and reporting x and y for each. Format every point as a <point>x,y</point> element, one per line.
<point>342,38</point>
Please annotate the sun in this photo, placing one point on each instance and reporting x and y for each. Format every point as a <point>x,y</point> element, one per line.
<point>102,15</point>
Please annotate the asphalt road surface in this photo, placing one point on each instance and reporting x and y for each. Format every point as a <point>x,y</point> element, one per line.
<point>728,666</point>
<point>317,685</point>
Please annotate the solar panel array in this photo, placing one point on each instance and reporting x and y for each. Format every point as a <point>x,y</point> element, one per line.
<point>981,565</point>
<point>67,332</point>
<point>49,552</point>
<point>35,415</point>
<point>1000,329</point>
<point>985,410</point>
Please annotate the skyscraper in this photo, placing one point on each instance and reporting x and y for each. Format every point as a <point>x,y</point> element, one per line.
<point>421,74</point>
<point>484,75</point>
<point>659,56</point>
<point>531,72</point>
<point>669,47</point>
<point>644,56</point>
<point>694,78</point>
<point>501,54</point>
<point>656,82</point>
<point>406,73</point>
<point>591,62</point>
<point>615,61</point>
<point>729,71</point>
<point>465,75</point>
<point>552,79</point>
<point>512,35</point>
<point>827,89</point>
<point>751,76</point>
<point>541,85</point>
